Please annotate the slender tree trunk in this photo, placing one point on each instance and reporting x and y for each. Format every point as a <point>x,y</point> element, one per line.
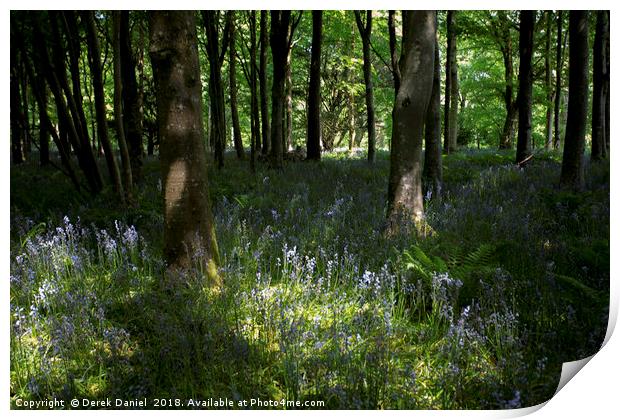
<point>433,172</point>
<point>280,21</point>
<point>16,129</point>
<point>526,46</point>
<point>288,138</point>
<point>598,91</point>
<point>454,87</point>
<point>365,32</point>
<point>118,109</point>
<point>44,134</point>
<point>607,85</point>
<point>132,107</point>
<point>510,104</point>
<point>94,57</point>
<point>255,120</point>
<point>393,50</point>
<point>232,72</point>
<point>189,232</point>
<point>405,201</point>
<point>264,102</point>
<point>215,56</point>
<point>572,175</point>
<point>558,83</point>
<point>548,81</point>
<point>313,143</point>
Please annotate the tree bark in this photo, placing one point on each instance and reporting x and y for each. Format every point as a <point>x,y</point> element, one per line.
<point>432,175</point>
<point>132,106</point>
<point>232,73</point>
<point>524,97</point>
<point>313,143</point>
<point>215,55</point>
<point>548,81</point>
<point>287,141</point>
<point>558,83</point>
<point>598,92</point>
<point>44,134</point>
<point>280,21</point>
<point>189,233</point>
<point>118,109</point>
<point>572,175</point>
<point>452,100</point>
<point>607,85</point>
<point>510,104</point>
<point>393,51</point>
<point>405,201</point>
<point>16,129</point>
<point>94,57</point>
<point>365,30</point>
<point>264,102</point>
<point>255,120</point>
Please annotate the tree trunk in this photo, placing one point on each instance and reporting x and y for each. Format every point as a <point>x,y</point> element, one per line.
<point>218,117</point>
<point>524,97</point>
<point>232,72</point>
<point>607,85</point>
<point>262,75</point>
<point>572,175</point>
<point>548,82</point>
<point>365,31</point>
<point>16,128</point>
<point>598,92</point>
<point>189,233</point>
<point>44,134</point>
<point>432,174</point>
<point>393,51</point>
<point>454,86</point>
<point>558,84</point>
<point>510,104</point>
<point>288,137</point>
<point>280,21</point>
<point>313,143</point>
<point>132,106</point>
<point>94,54</point>
<point>255,120</point>
<point>118,109</point>
<point>405,201</point>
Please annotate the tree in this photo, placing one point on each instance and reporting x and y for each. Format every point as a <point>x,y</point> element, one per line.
<point>232,72</point>
<point>405,202</point>
<point>255,120</point>
<point>451,103</point>
<point>94,60</point>
<point>16,130</point>
<point>433,172</point>
<point>131,100</point>
<point>548,81</point>
<point>313,142</point>
<point>393,51</point>
<point>118,108</point>
<point>599,92</point>
<point>189,233</point>
<point>262,76</point>
<point>559,61</point>
<point>524,97</point>
<point>572,175</point>
<point>278,39</point>
<point>365,30</point>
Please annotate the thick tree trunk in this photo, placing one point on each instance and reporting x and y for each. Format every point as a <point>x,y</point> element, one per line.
<point>189,233</point>
<point>548,81</point>
<point>524,98</point>
<point>572,175</point>
<point>118,109</point>
<point>280,21</point>
<point>264,102</point>
<point>365,32</point>
<point>313,143</point>
<point>432,175</point>
<point>558,83</point>
<point>598,92</point>
<point>405,201</point>
<point>232,73</point>
<point>94,54</point>
<point>132,106</point>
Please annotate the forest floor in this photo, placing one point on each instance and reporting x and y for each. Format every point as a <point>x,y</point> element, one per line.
<point>317,305</point>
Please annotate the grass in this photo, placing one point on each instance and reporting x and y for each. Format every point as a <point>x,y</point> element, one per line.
<point>317,304</point>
